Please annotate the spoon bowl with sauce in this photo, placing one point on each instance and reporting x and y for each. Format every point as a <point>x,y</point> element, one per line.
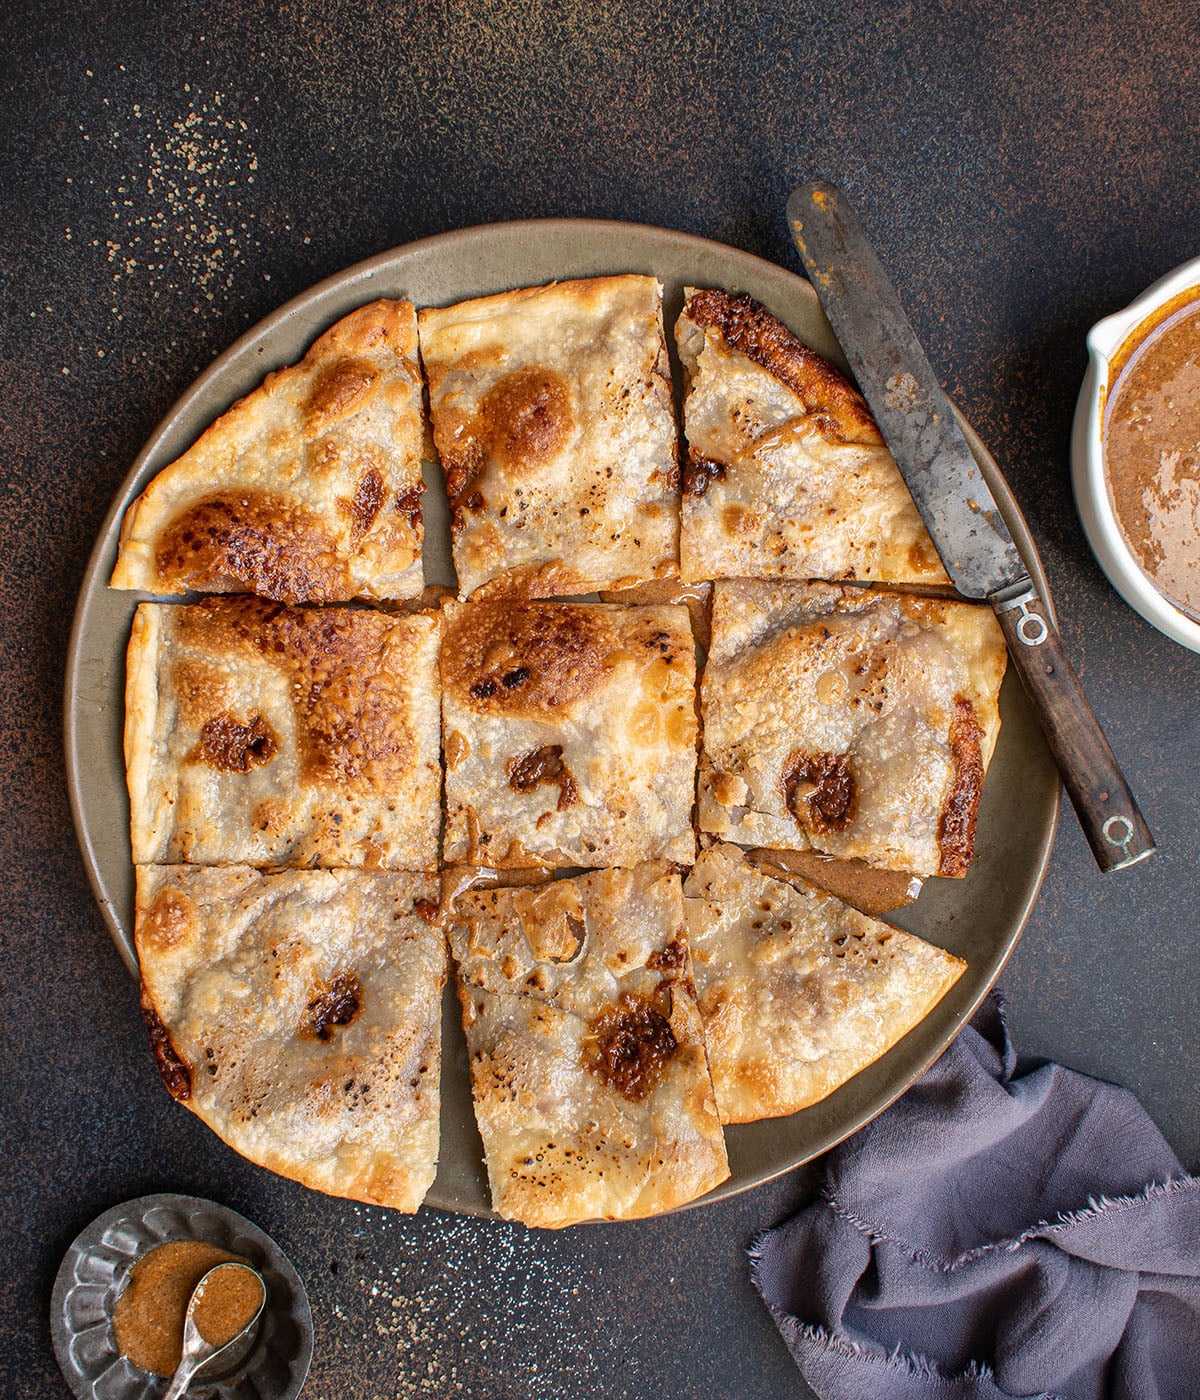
<point>1136,453</point>
<point>221,1318</point>
<point>119,1303</point>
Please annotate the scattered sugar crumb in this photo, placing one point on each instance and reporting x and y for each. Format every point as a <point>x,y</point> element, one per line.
<point>175,217</point>
<point>423,1308</point>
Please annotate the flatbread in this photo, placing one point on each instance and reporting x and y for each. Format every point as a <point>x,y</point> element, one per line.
<point>858,722</point>
<point>266,735</point>
<point>799,992</point>
<point>786,475</point>
<point>570,733</point>
<point>307,490</point>
<point>298,1014</point>
<point>552,415</point>
<point>591,1088</point>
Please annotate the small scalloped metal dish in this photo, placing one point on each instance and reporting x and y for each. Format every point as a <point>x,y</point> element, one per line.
<point>97,1266</point>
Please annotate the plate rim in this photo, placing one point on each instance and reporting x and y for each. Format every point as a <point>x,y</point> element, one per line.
<point>358,275</point>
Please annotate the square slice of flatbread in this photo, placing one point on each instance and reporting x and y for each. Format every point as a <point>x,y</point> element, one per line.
<point>786,475</point>
<point>307,490</point>
<point>798,991</point>
<point>853,721</point>
<point>570,733</point>
<point>588,1068</point>
<point>297,1013</point>
<point>553,418</point>
<point>260,734</point>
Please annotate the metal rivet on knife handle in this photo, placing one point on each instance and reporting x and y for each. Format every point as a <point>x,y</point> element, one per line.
<point>1108,814</point>
<point>958,509</point>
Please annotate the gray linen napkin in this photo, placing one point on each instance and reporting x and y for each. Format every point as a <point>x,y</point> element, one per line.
<point>997,1233</point>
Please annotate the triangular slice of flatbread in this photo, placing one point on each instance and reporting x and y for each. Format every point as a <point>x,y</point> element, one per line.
<point>786,474</point>
<point>298,1014</point>
<point>798,991</point>
<point>307,490</point>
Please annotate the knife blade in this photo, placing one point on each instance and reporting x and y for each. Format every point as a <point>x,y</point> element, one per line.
<point>959,510</point>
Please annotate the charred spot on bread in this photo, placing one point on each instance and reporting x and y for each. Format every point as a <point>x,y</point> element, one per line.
<point>749,328</point>
<point>368,497</point>
<point>174,1071</point>
<point>232,747</point>
<point>543,765</point>
<point>331,1006</point>
<point>528,416</point>
<point>820,790</point>
<point>669,959</point>
<point>340,389</point>
<point>629,1045</point>
<point>956,824</point>
<point>168,921</point>
<point>253,539</point>
<point>408,504</point>
<point>525,658</point>
<point>700,472</point>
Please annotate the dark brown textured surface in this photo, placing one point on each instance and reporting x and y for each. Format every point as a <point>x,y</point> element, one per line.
<point>167,179</point>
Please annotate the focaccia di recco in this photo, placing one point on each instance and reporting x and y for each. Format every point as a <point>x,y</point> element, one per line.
<point>570,733</point>
<point>798,991</point>
<point>265,735</point>
<point>591,1085</point>
<point>306,490</point>
<point>298,1013</point>
<point>786,474</point>
<point>552,416</point>
<point>857,722</point>
<point>329,776</point>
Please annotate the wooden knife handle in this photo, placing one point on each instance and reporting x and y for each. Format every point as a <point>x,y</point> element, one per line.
<point>1115,829</point>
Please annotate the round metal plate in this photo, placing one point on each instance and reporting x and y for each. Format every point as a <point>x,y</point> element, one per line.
<point>95,1270</point>
<point>978,918</point>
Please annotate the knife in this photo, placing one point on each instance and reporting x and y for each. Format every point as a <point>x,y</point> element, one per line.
<point>959,511</point>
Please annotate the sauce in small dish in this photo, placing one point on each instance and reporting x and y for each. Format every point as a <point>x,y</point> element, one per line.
<point>149,1311</point>
<point>119,1304</point>
<point>1152,455</point>
<point>226,1303</point>
<point>1135,453</point>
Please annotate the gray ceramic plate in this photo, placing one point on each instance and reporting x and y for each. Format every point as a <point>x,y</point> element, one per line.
<point>95,1270</point>
<point>979,918</point>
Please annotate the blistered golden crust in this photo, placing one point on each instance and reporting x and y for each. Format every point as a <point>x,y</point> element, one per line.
<point>268,735</point>
<point>838,411</point>
<point>552,415</point>
<point>588,1068</point>
<point>570,733</point>
<point>786,475</point>
<point>798,991</point>
<point>306,490</point>
<point>298,1014</point>
<point>856,722</point>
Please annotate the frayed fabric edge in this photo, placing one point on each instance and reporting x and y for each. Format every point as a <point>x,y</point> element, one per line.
<point>808,1342</point>
<point>1065,1220</point>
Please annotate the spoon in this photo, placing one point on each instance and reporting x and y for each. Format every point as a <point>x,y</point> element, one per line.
<point>197,1348</point>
